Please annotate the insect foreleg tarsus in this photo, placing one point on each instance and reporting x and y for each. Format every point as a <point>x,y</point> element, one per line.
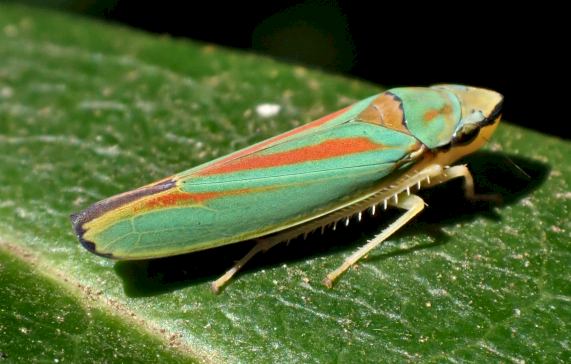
<point>462,171</point>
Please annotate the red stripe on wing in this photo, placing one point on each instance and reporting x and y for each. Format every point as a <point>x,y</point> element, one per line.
<point>173,199</point>
<point>262,145</point>
<point>324,150</point>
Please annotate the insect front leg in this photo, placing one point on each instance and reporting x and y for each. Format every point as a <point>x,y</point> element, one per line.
<point>411,203</point>
<point>462,171</point>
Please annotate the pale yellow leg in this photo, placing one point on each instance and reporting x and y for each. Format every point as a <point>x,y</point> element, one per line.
<point>261,246</point>
<point>413,204</point>
<point>462,171</point>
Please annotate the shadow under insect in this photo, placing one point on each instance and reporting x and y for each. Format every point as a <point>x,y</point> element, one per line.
<point>511,177</point>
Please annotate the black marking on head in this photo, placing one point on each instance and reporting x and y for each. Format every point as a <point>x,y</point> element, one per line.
<point>496,113</point>
<point>466,136</point>
<point>469,132</point>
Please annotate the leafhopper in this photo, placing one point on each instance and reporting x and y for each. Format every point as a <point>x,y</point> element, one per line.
<point>369,156</point>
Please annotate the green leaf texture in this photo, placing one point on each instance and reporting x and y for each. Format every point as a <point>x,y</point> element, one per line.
<point>88,110</point>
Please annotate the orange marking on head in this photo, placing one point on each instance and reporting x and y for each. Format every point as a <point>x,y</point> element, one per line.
<point>433,113</point>
<point>324,150</point>
<point>430,114</point>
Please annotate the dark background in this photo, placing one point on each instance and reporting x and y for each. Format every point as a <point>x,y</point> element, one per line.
<point>514,51</point>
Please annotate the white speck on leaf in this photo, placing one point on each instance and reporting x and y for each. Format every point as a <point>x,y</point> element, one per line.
<point>563,196</point>
<point>268,110</point>
<point>438,292</point>
<point>6,92</point>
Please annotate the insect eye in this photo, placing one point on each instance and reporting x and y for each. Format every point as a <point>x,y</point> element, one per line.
<point>466,134</point>
<point>468,128</point>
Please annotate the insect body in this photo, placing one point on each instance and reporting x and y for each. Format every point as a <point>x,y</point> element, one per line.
<point>370,155</point>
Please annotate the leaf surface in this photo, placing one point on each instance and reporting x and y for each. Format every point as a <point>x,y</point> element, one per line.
<point>88,110</point>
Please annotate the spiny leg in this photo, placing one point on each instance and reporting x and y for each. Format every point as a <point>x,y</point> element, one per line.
<point>462,171</point>
<point>412,203</point>
<point>261,246</point>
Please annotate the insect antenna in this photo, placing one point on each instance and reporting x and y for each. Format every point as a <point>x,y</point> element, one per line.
<point>516,167</point>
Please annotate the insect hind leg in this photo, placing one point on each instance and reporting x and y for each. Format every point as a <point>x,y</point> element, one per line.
<point>413,206</point>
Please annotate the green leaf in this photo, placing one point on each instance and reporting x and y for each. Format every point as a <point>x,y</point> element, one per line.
<point>43,320</point>
<point>88,110</point>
